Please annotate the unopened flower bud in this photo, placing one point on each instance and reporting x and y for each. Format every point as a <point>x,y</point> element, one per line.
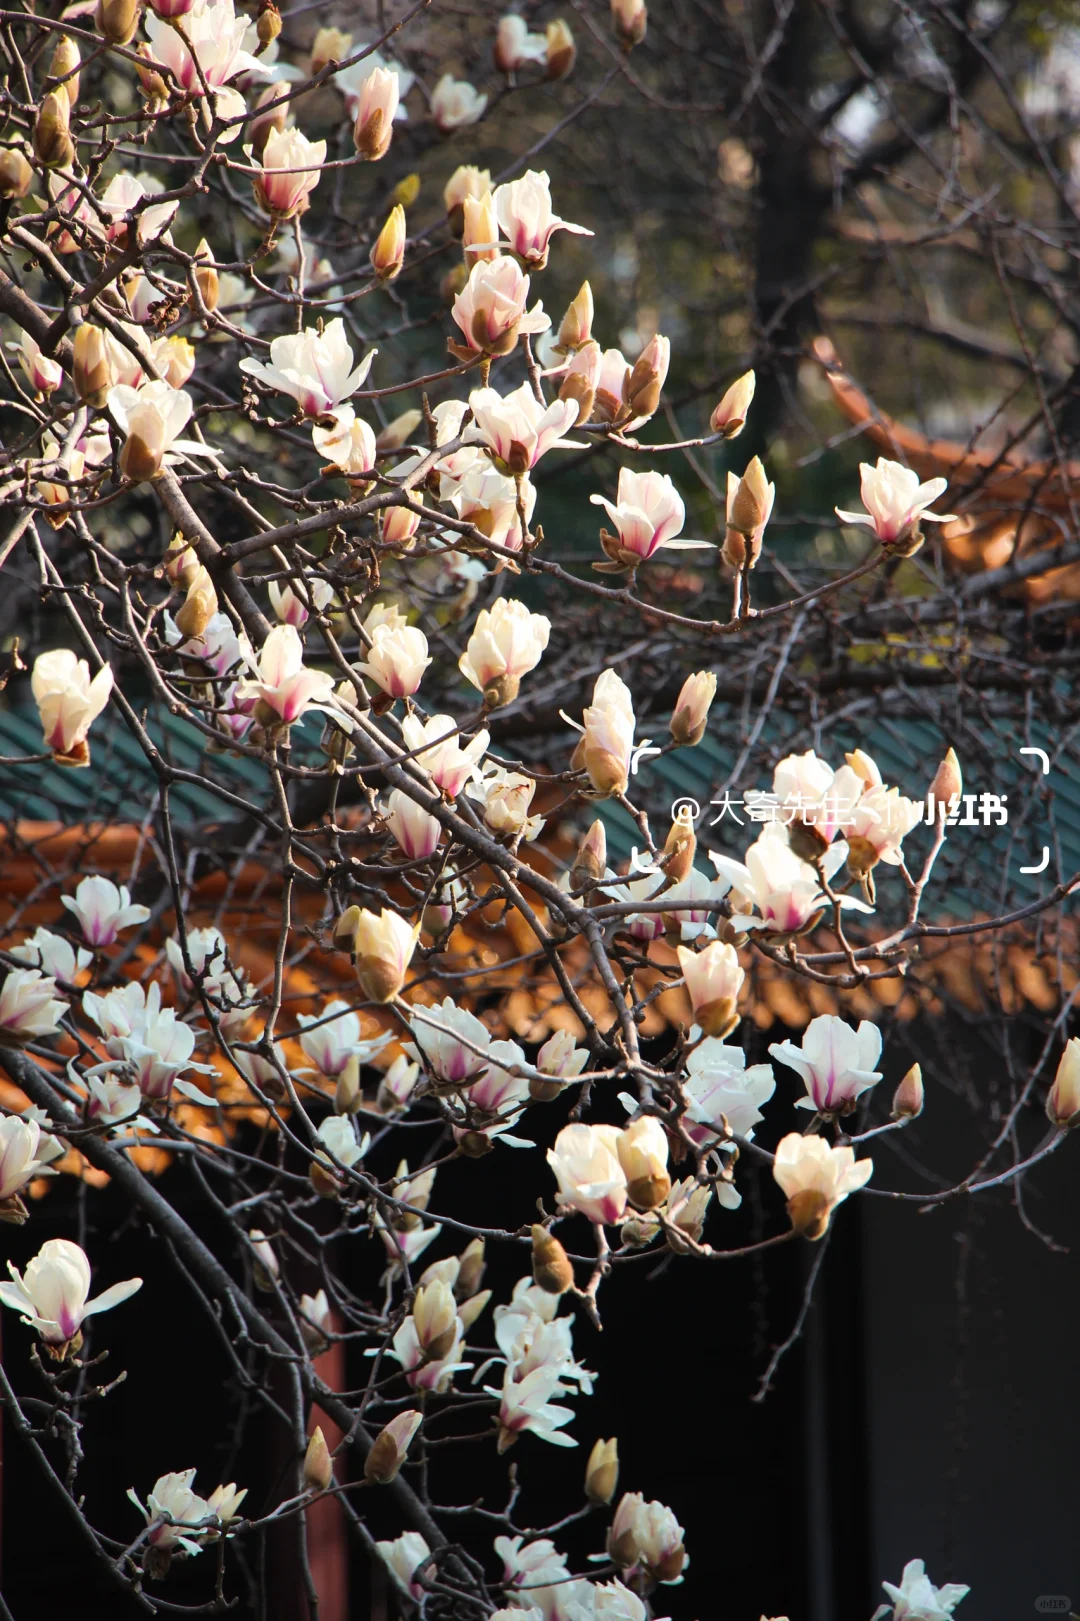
<point>630,19</point>
<point>206,276</point>
<point>582,378</point>
<point>64,65</point>
<point>946,788</point>
<point>330,45</point>
<point>92,370</point>
<point>318,1464</point>
<point>268,25</point>
<point>729,418</point>
<point>434,1317</point>
<point>551,1267</point>
<point>471,1269</point>
<point>479,230</point>
<point>117,20</point>
<point>561,50</point>
<point>590,863</point>
<point>181,564</point>
<point>908,1098</point>
<point>199,606</point>
<point>390,1446</point>
<point>388,252</point>
<point>16,175</point>
<point>749,509</point>
<point>575,328</point>
<point>1063,1102</point>
<point>151,83</point>
<point>406,191</point>
<point>602,1472</point>
<point>643,386</point>
<point>269,118</point>
<point>643,1153</point>
<point>470,1309</point>
<point>52,133</point>
<point>680,848</point>
<point>691,715</point>
<point>347,1094</point>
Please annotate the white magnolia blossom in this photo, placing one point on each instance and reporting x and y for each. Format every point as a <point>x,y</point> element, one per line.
<point>436,744</point>
<point>332,1038</point>
<point>103,910</point>
<point>591,1179</point>
<point>561,1057</point>
<point>216,36</point>
<point>228,989</point>
<point>527,1404</point>
<point>51,1294</point>
<point>783,890</point>
<point>114,1103</point>
<point>917,1599</point>
<point>293,607</point>
<point>339,1136</point>
<point>491,309</point>
<point>396,659</point>
<point>690,903</point>
<point>172,1509</point>
<point>455,102</point>
<point>518,428</point>
<point>648,514</point>
<point>284,683</point>
<point>835,1062</point>
<point>538,1583</point>
<point>29,1009</point>
<point>152,418</point>
<point>54,955</point>
<point>451,1042</point>
<point>530,1335</point>
<point>314,368</point>
<point>350,81</point>
<point>896,503</point>
<point>25,1152</point>
<point>68,702</point>
<point>496,1098</point>
<point>348,444</point>
<point>150,1038</point>
<point>506,797</point>
<point>816,1177</point>
<point>647,1536</point>
<point>290,172</point>
<point>523,208</point>
<point>607,752</point>
<point>42,372</point>
<point>415,829</point>
<point>720,1083</point>
<point>507,641</point>
<point>402,1558</point>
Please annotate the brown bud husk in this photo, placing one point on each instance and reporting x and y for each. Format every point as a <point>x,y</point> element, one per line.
<point>52,133</point>
<point>808,1211</point>
<point>590,863</point>
<point>680,847</point>
<point>717,1018</point>
<point>117,20</point>
<point>551,1267</point>
<point>561,50</point>
<point>751,498</point>
<point>268,25</point>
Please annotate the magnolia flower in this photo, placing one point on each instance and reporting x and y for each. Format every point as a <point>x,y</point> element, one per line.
<point>496,1099</point>
<point>348,445</point>
<point>506,643</point>
<point>917,1599</point>
<point>539,1584</point>
<point>591,1179</point>
<point>607,752</point>
<point>336,1039</point>
<point>403,1557</point>
<point>290,172</point>
<point>215,34</point>
<point>515,46</point>
<point>396,659</point>
<point>113,1103</point>
<point>729,417</point>
<point>479,230</point>
<point>292,608</point>
<point>835,1062</point>
<point>224,987</point>
<point>816,1178</point>
<point>339,1136</point>
<point>489,499</point>
<point>691,714</point>
<point>713,980</point>
<point>315,1321</point>
<point>896,503</point>
<point>224,1502</point>
<point>718,1084</point>
<point>390,1447</point>
<point>643,1155</point>
<point>455,102</point>
<point>648,516</point>
<point>397,1085</point>
<point>350,81</point>
<point>414,828</point>
<point>611,1600</point>
<point>524,212</point>
<point>816,802</point>
<point>42,373</point>
<point>28,1008</point>
<point>451,1042</point>
<point>465,182</point>
<point>314,368</point>
<point>52,1294</point>
<point>429,1342</point>
<point>1063,1099</point>
<point>642,925</point>
<point>561,1057</point>
<point>506,797</point>
<point>518,428</point>
<point>436,746</point>
<point>490,310</point>
<point>690,903</point>
<point>103,910</point>
<point>150,1038</point>
<point>151,419</point>
<point>784,889</point>
<point>284,685</point>
<point>172,1506</point>
<point>68,703</point>
<point>25,1152</point>
<point>54,955</point>
<point>750,502</point>
<point>377,95</point>
<point>647,1535</point>
<point>876,829</point>
<point>526,1404</point>
<point>382,945</point>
